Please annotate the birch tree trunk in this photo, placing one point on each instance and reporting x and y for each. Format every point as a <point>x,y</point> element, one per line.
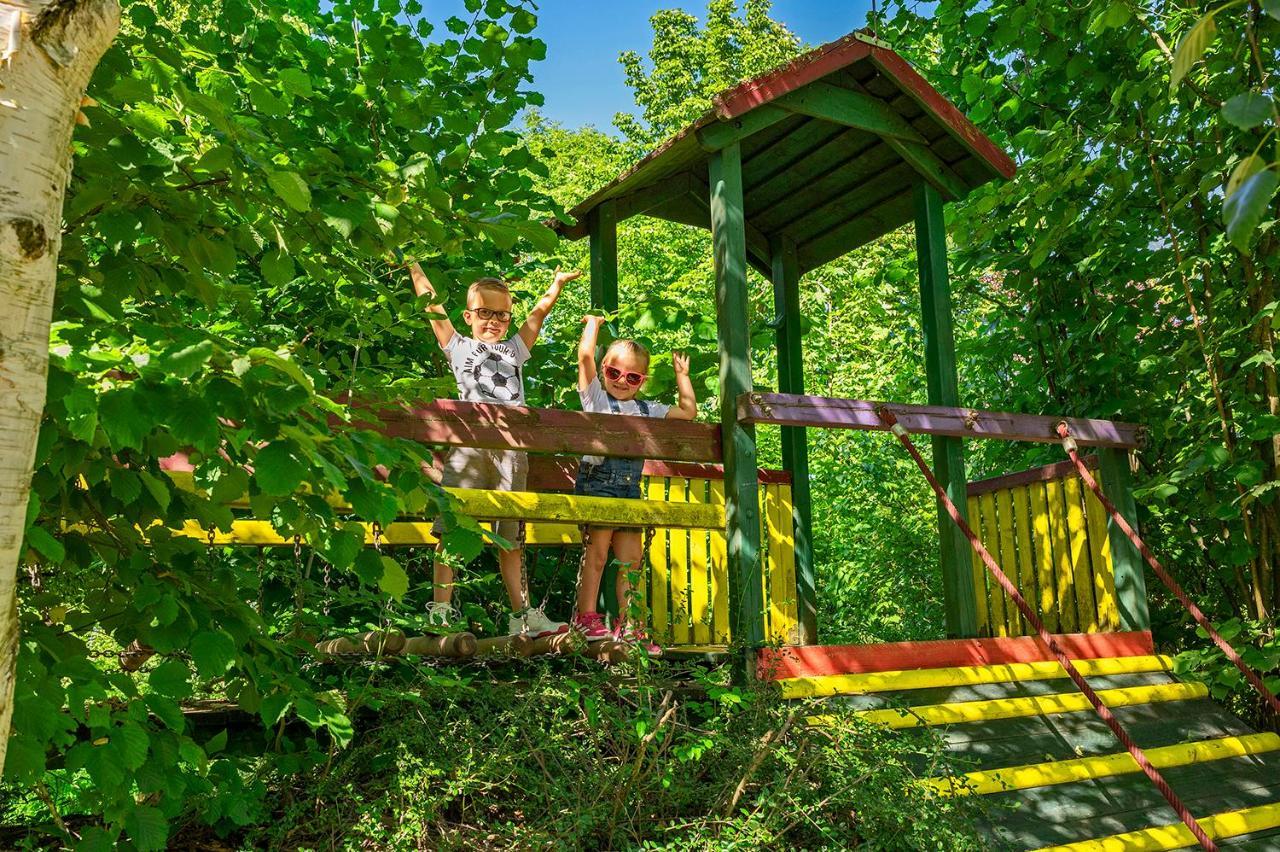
<point>48,50</point>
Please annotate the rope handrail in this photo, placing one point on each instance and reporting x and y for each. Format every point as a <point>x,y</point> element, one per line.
<point>1255,680</point>
<point>1135,751</point>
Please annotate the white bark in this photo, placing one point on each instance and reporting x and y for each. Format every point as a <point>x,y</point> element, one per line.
<point>48,50</point>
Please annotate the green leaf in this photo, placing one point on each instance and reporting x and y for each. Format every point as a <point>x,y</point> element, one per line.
<point>216,743</point>
<point>1272,8</point>
<point>81,404</point>
<point>182,363</point>
<point>147,827</point>
<point>123,418</point>
<point>1191,49</point>
<point>213,652</point>
<point>394,581</point>
<point>524,21</point>
<point>45,544</point>
<point>170,678</point>
<point>273,707</point>
<point>1248,110</point>
<point>1245,169</point>
<point>296,82</point>
<point>277,267</point>
<point>1245,208</point>
<point>292,189</point>
<point>168,711</point>
<point>158,490</point>
<point>133,743</point>
<point>25,761</point>
<point>277,468</point>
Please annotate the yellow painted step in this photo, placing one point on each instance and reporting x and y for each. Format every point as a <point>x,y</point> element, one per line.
<point>1178,836</point>
<point>860,684</point>
<point>1100,766</point>
<point>1032,705</point>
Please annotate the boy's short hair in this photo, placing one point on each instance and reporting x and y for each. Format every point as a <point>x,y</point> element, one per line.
<point>487,285</point>
<point>627,347</point>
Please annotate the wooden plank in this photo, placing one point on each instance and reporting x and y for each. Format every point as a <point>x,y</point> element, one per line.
<point>787,550</point>
<point>757,244</point>
<point>852,109</point>
<point>449,422</point>
<point>718,551</point>
<point>826,212</point>
<point>990,537</point>
<point>699,578</point>
<point>655,195</point>
<point>767,556</point>
<point>678,556</point>
<point>742,502</point>
<point>1127,564</point>
<point>781,581</point>
<point>1064,579</point>
<point>659,595</point>
<point>947,653</point>
<point>888,215</point>
<point>1043,550</point>
<point>1086,607</point>
<point>1104,581</point>
<point>795,447</point>
<point>836,413</point>
<point>1010,561</point>
<point>943,389</point>
<point>786,203</point>
<point>808,155</point>
<point>602,226</point>
<point>718,134</point>
<point>1019,498</point>
<point>1057,470</point>
<point>980,593</point>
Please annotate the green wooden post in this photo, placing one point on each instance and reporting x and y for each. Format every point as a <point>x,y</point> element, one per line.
<point>602,228</point>
<point>742,492</point>
<point>795,448</point>
<point>943,387</point>
<point>1131,584</point>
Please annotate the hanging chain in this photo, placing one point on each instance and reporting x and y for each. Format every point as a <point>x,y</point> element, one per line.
<point>524,580</point>
<point>33,572</point>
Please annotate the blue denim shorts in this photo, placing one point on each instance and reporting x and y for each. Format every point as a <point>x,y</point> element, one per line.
<point>611,478</point>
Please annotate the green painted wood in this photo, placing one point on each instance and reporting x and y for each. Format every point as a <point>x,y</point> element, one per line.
<point>643,200</point>
<point>844,175</point>
<point>829,210</point>
<point>715,136</point>
<point>1131,584</point>
<point>853,109</point>
<point>795,447</point>
<point>758,256</point>
<point>876,222</point>
<point>800,159</point>
<point>742,504</point>
<point>603,231</point>
<point>931,168</point>
<point>943,389</point>
<point>786,154</point>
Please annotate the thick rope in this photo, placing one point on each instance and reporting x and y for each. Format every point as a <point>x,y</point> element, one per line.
<point>1069,444</point>
<point>1139,757</point>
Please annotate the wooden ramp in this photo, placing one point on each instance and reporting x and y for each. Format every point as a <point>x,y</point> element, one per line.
<point>1021,735</point>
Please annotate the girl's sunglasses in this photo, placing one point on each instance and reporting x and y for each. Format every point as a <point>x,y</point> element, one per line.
<point>488,314</point>
<point>633,379</point>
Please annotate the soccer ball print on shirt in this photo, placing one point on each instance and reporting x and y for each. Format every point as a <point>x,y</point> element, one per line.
<point>494,372</point>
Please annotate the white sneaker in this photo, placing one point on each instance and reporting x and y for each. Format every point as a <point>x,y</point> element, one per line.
<point>441,614</point>
<point>533,622</point>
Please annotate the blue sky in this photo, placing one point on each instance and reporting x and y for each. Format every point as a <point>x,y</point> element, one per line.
<point>581,78</point>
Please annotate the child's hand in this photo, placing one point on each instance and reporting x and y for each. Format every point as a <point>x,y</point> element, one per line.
<point>563,278</point>
<point>680,361</point>
<point>593,319</point>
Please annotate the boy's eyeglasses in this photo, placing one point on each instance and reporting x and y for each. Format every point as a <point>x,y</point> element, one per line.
<point>633,379</point>
<point>488,314</point>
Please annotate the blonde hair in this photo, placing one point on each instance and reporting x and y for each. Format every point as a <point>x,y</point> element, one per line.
<point>627,347</point>
<point>487,285</point>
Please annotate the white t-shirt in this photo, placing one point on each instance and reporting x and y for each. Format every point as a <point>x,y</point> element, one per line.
<point>488,372</point>
<point>597,400</point>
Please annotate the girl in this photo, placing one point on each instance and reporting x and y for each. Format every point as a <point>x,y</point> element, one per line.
<point>624,368</point>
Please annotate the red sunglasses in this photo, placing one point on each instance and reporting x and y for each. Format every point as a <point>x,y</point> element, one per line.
<point>633,379</point>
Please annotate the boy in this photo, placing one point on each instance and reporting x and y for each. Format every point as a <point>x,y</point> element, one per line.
<point>613,390</point>
<point>487,366</point>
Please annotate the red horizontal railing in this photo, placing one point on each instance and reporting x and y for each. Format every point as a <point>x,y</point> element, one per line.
<point>783,409</point>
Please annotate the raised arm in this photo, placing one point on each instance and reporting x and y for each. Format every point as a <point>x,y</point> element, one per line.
<point>533,323</point>
<point>686,407</point>
<point>587,350</point>
<point>423,287</point>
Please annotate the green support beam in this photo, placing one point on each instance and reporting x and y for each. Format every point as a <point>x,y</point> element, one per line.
<point>795,448</point>
<point>943,389</point>
<point>718,134</point>
<point>1131,584</point>
<point>742,501</point>
<point>602,228</point>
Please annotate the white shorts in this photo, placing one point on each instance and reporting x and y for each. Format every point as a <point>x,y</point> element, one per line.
<point>491,470</point>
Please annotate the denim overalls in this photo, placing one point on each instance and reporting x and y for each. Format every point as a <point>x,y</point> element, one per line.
<point>613,477</point>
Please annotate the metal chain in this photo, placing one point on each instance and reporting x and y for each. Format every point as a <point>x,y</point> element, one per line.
<point>524,580</point>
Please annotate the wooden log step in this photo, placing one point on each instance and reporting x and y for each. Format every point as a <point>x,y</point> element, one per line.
<point>1178,836</point>
<point>375,643</point>
<point>519,645</point>
<point>1100,766</point>
<point>453,645</point>
<point>852,684</point>
<point>1012,708</point>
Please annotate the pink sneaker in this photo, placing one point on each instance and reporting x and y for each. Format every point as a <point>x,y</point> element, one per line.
<point>627,633</point>
<point>591,626</point>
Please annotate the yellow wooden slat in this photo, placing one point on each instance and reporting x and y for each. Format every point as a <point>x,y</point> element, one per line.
<point>719,572</point>
<point>979,571</point>
<point>659,600</point>
<point>781,625</point>
<point>990,537</point>
<point>1008,559</point>
<point>1043,548</point>
<point>1086,609</point>
<point>699,574</point>
<point>1175,835</point>
<point>678,553</point>
<point>256,533</point>
<point>766,557</point>
<point>640,590</point>
<point>859,684</point>
<point>787,543</point>
<point>1063,576</point>
<point>1018,498</point>
<point>1047,774</point>
<point>1104,578</point>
